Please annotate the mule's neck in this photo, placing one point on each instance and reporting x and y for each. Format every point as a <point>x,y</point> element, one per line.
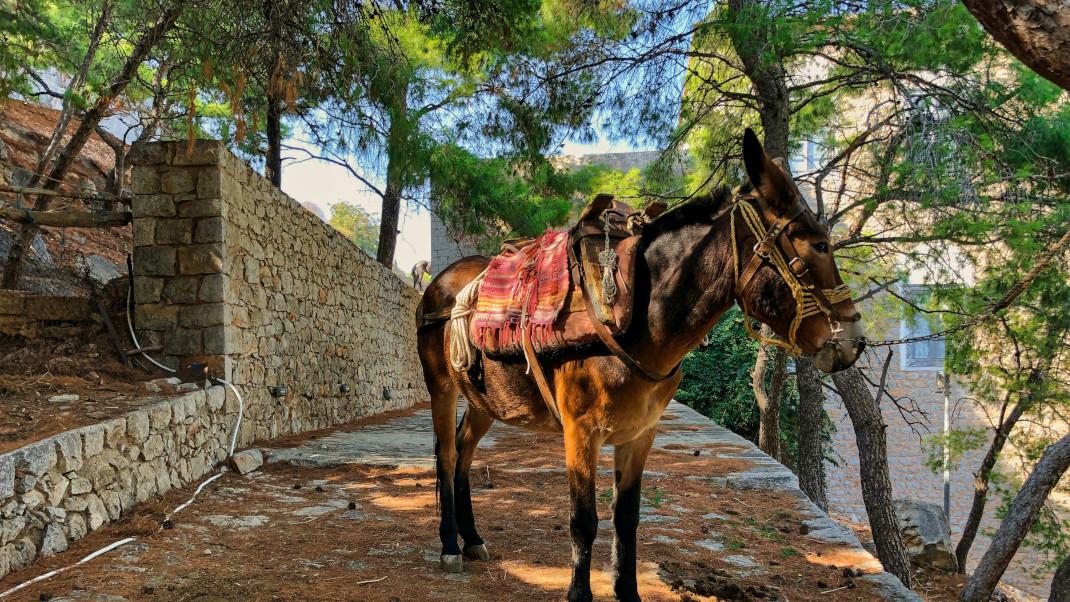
<point>691,284</point>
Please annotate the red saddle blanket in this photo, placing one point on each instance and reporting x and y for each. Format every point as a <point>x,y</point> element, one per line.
<point>524,287</point>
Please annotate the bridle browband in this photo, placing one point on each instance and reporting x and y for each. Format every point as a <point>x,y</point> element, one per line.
<point>777,250</point>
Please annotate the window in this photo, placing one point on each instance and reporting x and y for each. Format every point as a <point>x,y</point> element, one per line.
<point>920,355</point>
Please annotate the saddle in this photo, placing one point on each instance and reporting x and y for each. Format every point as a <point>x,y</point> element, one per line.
<point>602,249</point>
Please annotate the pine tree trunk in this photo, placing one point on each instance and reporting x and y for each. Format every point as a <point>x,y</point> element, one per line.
<point>16,255</point>
<point>273,131</point>
<point>768,408</point>
<point>388,226</point>
<point>810,463</point>
<point>1060,584</point>
<point>1015,526</point>
<point>1033,30</point>
<point>872,444</point>
<point>981,480</point>
<point>396,156</point>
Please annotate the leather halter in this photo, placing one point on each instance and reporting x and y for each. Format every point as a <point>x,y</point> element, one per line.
<point>777,250</point>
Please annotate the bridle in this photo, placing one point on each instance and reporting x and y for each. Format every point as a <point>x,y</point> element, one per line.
<point>777,250</point>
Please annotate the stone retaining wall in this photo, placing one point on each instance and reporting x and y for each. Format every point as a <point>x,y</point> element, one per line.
<point>30,316</point>
<point>231,272</point>
<point>55,491</point>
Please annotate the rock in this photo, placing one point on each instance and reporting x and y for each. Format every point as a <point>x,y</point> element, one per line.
<point>247,461</point>
<point>67,398</point>
<point>236,522</point>
<point>98,514</point>
<point>926,534</point>
<point>76,528</point>
<point>100,269</point>
<point>80,485</point>
<point>7,475</point>
<point>54,540</point>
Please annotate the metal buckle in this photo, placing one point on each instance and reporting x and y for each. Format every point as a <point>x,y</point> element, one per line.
<point>758,250</point>
<point>798,274</point>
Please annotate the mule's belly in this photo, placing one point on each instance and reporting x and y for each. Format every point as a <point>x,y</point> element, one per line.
<point>588,391</point>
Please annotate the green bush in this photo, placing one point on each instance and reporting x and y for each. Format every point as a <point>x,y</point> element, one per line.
<point>717,383</point>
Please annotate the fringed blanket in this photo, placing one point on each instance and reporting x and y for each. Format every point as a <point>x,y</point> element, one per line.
<point>523,287</point>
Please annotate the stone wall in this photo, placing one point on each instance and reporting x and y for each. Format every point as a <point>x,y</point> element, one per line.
<point>30,316</point>
<point>231,272</point>
<point>55,491</point>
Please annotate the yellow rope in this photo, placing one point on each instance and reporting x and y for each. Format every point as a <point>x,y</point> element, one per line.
<point>806,304</point>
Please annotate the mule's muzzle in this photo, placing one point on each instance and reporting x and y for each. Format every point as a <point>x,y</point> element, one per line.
<point>840,353</point>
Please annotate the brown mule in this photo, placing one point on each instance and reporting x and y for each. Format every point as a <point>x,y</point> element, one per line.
<point>695,262</point>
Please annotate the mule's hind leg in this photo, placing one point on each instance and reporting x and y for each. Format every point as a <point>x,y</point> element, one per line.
<point>444,416</point>
<point>473,427</point>
<point>581,459</point>
<point>629,459</point>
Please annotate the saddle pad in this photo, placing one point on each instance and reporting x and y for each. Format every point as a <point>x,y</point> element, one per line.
<point>524,286</point>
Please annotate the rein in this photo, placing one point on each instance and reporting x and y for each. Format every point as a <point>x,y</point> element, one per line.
<point>810,300</point>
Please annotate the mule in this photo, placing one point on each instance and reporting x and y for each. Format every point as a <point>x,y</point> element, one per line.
<point>695,261</point>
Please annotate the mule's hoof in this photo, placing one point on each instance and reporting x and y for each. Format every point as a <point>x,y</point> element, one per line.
<point>451,563</point>
<point>477,552</point>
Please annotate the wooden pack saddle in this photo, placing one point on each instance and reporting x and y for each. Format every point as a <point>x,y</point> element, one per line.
<point>603,248</point>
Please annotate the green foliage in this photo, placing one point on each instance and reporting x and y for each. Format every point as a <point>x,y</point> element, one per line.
<point>357,225</point>
<point>958,442</point>
<point>717,383</point>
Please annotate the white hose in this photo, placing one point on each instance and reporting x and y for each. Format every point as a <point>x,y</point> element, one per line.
<point>180,507</point>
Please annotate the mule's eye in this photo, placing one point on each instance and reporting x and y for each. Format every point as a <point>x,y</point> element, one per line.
<point>821,247</point>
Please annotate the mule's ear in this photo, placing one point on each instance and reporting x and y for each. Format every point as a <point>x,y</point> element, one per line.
<point>767,177</point>
<point>753,157</point>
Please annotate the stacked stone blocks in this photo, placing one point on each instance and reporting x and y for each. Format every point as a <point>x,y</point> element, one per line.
<point>54,491</point>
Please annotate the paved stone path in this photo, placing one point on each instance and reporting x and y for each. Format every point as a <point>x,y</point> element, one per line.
<point>265,502</point>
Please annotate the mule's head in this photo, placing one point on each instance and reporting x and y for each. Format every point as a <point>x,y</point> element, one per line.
<point>829,330</point>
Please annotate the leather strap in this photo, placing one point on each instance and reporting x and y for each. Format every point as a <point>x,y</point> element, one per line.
<point>608,339</point>
<point>540,377</point>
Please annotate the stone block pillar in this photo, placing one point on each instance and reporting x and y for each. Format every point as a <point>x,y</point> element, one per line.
<point>179,229</point>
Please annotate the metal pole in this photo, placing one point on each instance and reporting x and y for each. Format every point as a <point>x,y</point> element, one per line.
<point>946,382</point>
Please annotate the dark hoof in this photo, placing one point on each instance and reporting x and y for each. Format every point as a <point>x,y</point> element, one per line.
<point>628,596</point>
<point>576,595</point>
<point>477,552</point>
<point>451,563</point>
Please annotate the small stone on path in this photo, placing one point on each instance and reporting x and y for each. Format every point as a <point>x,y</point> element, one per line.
<point>66,398</point>
<point>247,461</point>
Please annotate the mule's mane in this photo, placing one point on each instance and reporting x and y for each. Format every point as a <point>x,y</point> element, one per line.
<point>698,210</point>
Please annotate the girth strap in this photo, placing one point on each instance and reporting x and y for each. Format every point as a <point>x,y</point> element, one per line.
<point>543,385</point>
<point>606,336</point>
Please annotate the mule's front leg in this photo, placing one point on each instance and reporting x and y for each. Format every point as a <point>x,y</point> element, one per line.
<point>581,458</point>
<point>629,459</point>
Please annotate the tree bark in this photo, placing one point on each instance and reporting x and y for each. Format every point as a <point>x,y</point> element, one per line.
<point>1035,31</point>
<point>388,226</point>
<point>871,441</point>
<point>981,480</point>
<point>1060,584</point>
<point>273,125</point>
<point>770,81</point>
<point>273,132</point>
<point>1015,526</point>
<point>769,398</point>
<point>810,463</point>
<point>396,154</point>
<point>15,258</point>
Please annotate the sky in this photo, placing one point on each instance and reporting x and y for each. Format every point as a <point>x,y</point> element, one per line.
<point>323,184</point>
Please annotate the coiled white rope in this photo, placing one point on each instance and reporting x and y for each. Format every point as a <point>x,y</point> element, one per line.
<point>180,507</point>
<point>462,354</point>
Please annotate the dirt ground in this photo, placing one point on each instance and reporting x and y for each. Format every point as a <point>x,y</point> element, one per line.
<point>33,371</point>
<point>360,532</point>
